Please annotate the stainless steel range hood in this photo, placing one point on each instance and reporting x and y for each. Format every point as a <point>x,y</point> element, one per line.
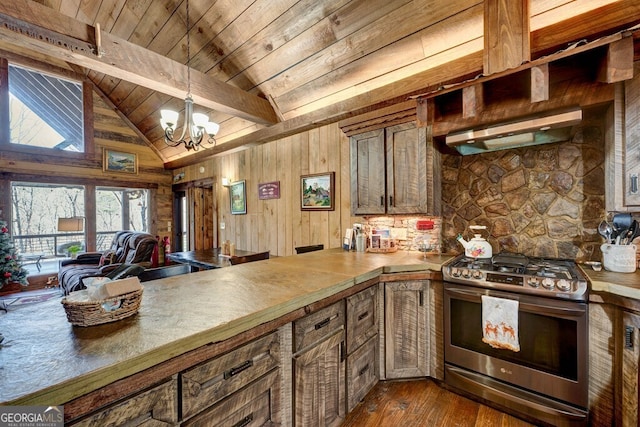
<point>553,127</point>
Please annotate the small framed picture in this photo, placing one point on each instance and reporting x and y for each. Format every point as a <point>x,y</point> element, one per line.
<point>238,197</point>
<point>317,192</point>
<point>269,190</point>
<point>118,161</point>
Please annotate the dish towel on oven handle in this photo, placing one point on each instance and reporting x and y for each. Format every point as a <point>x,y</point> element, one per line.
<point>500,323</point>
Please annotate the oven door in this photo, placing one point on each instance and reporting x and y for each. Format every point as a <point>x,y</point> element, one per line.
<point>552,360</point>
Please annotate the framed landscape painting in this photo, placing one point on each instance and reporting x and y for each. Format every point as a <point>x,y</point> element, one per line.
<point>238,197</point>
<point>118,161</point>
<point>317,192</point>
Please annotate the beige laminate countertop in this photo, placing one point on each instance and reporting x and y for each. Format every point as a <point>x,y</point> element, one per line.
<point>44,360</point>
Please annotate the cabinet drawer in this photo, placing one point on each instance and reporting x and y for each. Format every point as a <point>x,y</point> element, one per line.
<point>316,326</point>
<point>210,382</point>
<point>256,405</point>
<point>157,406</point>
<point>361,372</point>
<point>362,318</point>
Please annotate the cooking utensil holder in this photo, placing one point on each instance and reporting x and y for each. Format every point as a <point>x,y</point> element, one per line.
<point>619,258</point>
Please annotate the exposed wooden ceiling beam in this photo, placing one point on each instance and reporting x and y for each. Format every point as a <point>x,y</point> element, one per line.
<point>41,29</point>
<point>457,70</point>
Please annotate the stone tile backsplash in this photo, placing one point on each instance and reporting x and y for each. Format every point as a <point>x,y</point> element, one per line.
<point>544,200</point>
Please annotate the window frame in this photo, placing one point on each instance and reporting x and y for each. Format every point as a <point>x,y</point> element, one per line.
<point>90,185</point>
<point>87,101</point>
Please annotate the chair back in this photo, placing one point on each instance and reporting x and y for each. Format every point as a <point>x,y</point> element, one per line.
<point>141,246</point>
<point>249,258</point>
<point>311,248</point>
<point>162,272</point>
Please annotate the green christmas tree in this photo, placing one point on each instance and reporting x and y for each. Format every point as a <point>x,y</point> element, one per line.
<point>10,268</point>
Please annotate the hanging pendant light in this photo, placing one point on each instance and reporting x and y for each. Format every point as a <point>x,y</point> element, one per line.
<point>196,125</point>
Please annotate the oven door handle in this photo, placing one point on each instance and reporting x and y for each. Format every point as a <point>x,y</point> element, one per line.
<point>525,302</point>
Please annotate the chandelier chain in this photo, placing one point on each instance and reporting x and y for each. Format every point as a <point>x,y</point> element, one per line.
<point>196,127</point>
<point>188,52</point>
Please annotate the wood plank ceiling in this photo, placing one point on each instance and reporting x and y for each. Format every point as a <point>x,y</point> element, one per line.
<point>315,61</point>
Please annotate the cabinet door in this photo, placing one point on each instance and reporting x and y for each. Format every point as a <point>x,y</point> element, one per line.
<point>406,157</point>
<point>632,140</point>
<point>405,322</point>
<point>630,343</point>
<point>367,173</point>
<point>319,383</point>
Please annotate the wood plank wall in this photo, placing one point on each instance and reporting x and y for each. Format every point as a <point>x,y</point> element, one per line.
<point>279,225</point>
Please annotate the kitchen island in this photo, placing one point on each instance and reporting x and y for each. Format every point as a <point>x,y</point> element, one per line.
<point>46,361</point>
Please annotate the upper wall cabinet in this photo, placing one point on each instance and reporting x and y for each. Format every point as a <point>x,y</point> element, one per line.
<point>392,172</point>
<point>623,147</point>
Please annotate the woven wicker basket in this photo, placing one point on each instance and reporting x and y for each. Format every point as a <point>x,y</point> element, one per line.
<point>88,313</point>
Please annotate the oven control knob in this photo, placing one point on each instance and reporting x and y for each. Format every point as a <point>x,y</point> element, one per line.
<point>564,285</point>
<point>533,282</point>
<point>477,274</point>
<point>548,283</point>
<point>455,272</point>
<point>466,273</point>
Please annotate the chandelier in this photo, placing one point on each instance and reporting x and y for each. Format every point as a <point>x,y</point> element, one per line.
<point>196,125</point>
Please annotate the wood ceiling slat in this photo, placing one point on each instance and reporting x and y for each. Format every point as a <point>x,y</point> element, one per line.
<point>69,7</point>
<point>364,73</point>
<point>547,12</point>
<point>129,18</point>
<point>88,11</point>
<point>153,20</point>
<point>297,19</point>
<point>595,22</point>
<point>108,14</point>
<point>277,73</point>
<point>204,33</point>
<point>136,97</point>
<point>251,21</point>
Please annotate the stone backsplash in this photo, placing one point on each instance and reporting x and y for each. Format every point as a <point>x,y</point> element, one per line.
<point>544,200</point>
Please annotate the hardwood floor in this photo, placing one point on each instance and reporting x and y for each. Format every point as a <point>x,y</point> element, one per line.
<point>423,403</point>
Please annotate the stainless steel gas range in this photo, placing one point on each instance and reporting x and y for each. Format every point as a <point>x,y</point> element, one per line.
<point>545,379</point>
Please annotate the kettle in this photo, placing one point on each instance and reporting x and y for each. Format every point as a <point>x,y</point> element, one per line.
<point>478,247</point>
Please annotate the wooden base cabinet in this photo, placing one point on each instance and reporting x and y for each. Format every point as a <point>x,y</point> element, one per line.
<point>629,343</point>
<point>319,368</point>
<point>406,340</point>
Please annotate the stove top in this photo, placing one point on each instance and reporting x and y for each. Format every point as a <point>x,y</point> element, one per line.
<point>549,277</point>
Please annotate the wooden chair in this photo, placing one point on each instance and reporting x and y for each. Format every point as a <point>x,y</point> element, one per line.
<point>249,258</point>
<point>311,248</point>
<point>162,272</point>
